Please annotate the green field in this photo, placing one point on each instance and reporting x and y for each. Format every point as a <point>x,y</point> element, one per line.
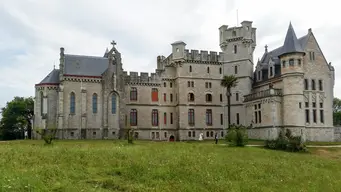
<point>162,166</point>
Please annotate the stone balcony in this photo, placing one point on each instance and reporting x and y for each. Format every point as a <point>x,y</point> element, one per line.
<point>263,94</point>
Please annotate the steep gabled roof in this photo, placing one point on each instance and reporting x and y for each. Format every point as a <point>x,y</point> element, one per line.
<point>291,43</point>
<point>85,65</point>
<point>51,78</point>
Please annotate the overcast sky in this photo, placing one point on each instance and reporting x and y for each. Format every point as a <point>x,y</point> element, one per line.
<point>32,31</point>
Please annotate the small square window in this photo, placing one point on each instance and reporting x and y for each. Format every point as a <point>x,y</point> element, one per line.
<point>306,104</point>
<point>314,104</point>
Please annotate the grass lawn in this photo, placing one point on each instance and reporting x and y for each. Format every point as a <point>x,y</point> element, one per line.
<point>160,166</point>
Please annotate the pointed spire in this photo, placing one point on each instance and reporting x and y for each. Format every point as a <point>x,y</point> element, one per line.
<point>291,44</point>
<point>266,48</point>
<point>107,50</point>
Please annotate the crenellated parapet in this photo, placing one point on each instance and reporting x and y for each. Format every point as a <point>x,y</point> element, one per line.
<point>204,56</point>
<point>144,78</point>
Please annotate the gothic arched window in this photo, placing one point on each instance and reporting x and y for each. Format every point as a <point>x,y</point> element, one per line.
<point>94,103</point>
<point>72,103</point>
<point>113,104</point>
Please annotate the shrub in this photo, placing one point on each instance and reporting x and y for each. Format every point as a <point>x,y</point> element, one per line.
<point>130,136</point>
<point>237,135</point>
<point>48,134</point>
<point>287,142</point>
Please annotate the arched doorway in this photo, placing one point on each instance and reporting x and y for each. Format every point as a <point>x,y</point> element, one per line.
<point>171,138</point>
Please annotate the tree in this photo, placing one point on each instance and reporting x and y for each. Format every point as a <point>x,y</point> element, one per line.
<point>336,111</point>
<point>229,82</point>
<point>16,118</point>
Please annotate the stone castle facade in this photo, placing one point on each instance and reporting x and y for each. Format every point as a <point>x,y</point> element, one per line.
<point>291,87</point>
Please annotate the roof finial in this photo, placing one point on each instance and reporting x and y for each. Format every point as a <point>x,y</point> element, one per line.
<point>266,48</point>
<point>54,65</point>
<point>113,43</point>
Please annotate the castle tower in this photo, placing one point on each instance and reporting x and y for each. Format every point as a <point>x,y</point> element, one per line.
<point>238,45</point>
<point>291,59</point>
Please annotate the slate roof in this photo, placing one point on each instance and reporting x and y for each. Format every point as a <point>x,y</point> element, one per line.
<point>51,78</point>
<point>81,65</point>
<point>278,51</point>
<point>85,65</point>
<point>291,44</point>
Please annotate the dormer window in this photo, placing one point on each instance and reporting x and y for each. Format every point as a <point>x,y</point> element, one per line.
<point>291,62</point>
<point>271,72</point>
<point>283,64</point>
<point>258,75</point>
<point>234,33</point>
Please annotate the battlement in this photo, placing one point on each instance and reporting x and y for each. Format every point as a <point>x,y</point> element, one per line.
<point>207,56</point>
<point>144,77</point>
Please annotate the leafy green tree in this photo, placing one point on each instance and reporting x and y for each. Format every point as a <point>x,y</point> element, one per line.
<point>16,118</point>
<point>229,82</point>
<point>336,111</point>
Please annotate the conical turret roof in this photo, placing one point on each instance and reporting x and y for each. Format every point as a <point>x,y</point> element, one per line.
<point>291,43</point>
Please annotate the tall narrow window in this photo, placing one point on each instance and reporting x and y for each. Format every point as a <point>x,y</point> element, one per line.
<point>299,61</point>
<point>41,103</point>
<point>220,70</point>
<point>155,117</point>
<point>190,68</point>
<point>164,97</point>
<point>314,116</point>
<point>221,97</point>
<point>94,103</point>
<point>306,84</point>
<point>208,70</point>
<point>235,49</point>
<point>313,86</point>
<point>221,119</point>
<point>133,117</point>
<point>260,116</point>
<point>171,97</point>
<point>307,119</point>
<point>113,104</point>
<point>165,118</point>
<point>321,116</point>
<point>155,94</point>
<point>237,96</point>
<point>311,56</point>
<point>170,84</point>
<point>209,117</point>
<point>164,84</point>
<point>171,118</point>
<point>208,97</point>
<point>192,83</point>
<point>133,94</point>
<point>271,72</point>
<point>190,97</point>
<point>72,103</point>
<point>191,116</point>
<point>237,118</point>
<point>256,115</point>
<point>236,69</point>
<point>283,64</point>
<point>188,84</point>
<point>320,85</point>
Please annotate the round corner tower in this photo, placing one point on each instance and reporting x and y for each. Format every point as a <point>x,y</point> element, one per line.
<point>291,59</point>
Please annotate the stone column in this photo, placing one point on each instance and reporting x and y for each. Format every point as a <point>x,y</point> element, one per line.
<point>44,105</point>
<point>84,108</point>
<point>60,112</point>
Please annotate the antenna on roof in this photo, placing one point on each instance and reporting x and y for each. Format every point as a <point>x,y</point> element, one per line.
<point>237,18</point>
